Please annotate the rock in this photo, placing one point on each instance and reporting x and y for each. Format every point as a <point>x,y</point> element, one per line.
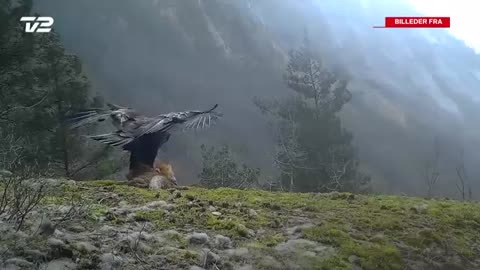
<point>358,267</point>
<point>252,213</point>
<point>71,182</point>
<point>19,262</point>
<point>245,267</point>
<point>159,204</point>
<point>413,265</point>
<point>123,204</point>
<point>194,267</point>
<point>172,234</point>
<point>212,208</point>
<point>420,209</point>
<point>260,232</point>
<point>76,228</point>
<point>60,265</point>
<point>309,254</point>
<point>222,242</point>
<point>34,255</point>
<point>109,261</point>
<point>4,227</point>
<point>198,238</point>
<point>58,249</point>
<point>237,253</point>
<point>54,242</point>
<point>145,236</point>
<point>46,228</point>
<point>5,173</point>
<point>85,247</point>
<point>135,242</point>
<point>355,260</point>
<point>299,228</point>
<point>379,237</point>
<point>20,235</point>
<point>105,229</point>
<point>58,234</point>
<point>322,249</point>
<point>268,262</point>
<point>216,214</point>
<point>208,258</point>
<point>63,209</point>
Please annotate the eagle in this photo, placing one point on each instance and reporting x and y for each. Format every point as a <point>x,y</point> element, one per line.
<point>141,135</point>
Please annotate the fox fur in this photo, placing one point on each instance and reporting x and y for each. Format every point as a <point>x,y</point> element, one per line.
<point>160,177</point>
<point>165,178</point>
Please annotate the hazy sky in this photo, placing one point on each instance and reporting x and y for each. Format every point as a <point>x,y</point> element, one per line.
<point>464,19</point>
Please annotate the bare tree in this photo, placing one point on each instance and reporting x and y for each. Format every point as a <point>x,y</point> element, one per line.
<point>20,193</point>
<point>430,172</point>
<point>11,151</point>
<point>21,189</point>
<point>289,155</point>
<point>336,168</point>
<point>462,183</point>
<point>272,184</point>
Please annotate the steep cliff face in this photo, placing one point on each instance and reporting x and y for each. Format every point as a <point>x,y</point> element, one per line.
<point>409,85</point>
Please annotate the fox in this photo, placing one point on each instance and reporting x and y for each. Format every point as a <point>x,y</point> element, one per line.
<point>165,178</point>
<point>160,177</point>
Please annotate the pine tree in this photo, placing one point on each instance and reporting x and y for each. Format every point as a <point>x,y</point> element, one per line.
<point>41,84</point>
<point>314,152</point>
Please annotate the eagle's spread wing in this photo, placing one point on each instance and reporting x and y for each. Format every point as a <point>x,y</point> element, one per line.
<point>132,126</point>
<point>87,117</point>
<point>181,121</point>
<point>202,120</point>
<point>118,115</point>
<point>128,132</point>
<point>118,138</point>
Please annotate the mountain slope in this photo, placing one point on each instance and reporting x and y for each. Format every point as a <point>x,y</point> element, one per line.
<point>409,85</point>
<point>109,225</point>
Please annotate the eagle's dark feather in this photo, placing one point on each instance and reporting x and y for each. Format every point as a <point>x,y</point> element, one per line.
<point>142,136</point>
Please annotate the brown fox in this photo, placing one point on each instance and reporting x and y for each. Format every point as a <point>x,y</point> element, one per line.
<point>160,177</point>
<point>165,178</point>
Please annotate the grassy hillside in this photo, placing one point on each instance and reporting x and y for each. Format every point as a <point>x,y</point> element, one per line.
<point>108,225</point>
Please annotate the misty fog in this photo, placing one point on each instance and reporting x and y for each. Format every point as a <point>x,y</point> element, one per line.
<point>409,85</point>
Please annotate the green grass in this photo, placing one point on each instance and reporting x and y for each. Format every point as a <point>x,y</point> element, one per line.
<point>381,230</point>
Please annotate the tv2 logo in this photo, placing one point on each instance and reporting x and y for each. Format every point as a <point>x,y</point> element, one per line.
<point>39,25</point>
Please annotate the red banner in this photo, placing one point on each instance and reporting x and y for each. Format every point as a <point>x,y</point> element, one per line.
<point>417,22</point>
